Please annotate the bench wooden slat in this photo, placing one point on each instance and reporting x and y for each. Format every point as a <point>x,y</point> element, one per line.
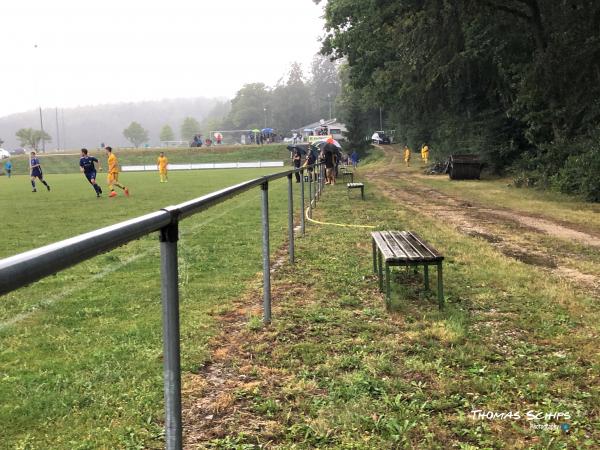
<point>404,246</point>
<point>399,253</point>
<point>406,251</point>
<point>382,245</point>
<point>419,248</point>
<point>434,253</point>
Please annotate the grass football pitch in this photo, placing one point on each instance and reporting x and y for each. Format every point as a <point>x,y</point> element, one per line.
<point>81,351</point>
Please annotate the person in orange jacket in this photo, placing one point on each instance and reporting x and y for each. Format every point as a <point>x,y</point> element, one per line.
<point>406,155</point>
<point>425,153</point>
<point>162,164</point>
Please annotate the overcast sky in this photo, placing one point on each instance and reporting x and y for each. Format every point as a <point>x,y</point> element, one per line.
<point>105,51</point>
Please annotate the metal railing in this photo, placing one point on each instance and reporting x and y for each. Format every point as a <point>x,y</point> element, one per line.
<point>25,268</point>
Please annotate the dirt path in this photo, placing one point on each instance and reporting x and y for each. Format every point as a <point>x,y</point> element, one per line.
<point>514,233</point>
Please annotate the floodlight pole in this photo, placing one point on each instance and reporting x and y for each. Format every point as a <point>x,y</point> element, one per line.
<point>42,127</point>
<point>57,132</point>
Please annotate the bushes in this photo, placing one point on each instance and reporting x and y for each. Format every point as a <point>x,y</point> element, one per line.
<point>568,167</point>
<point>581,175</point>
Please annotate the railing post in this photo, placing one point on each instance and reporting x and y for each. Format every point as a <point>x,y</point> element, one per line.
<point>291,218</point>
<point>170,308</point>
<point>266,257</point>
<point>321,180</point>
<point>318,184</point>
<point>310,194</point>
<point>302,225</point>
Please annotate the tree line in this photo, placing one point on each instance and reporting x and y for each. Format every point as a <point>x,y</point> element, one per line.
<point>517,81</point>
<point>296,100</point>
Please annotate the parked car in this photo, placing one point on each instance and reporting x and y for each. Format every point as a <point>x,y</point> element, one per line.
<point>379,137</point>
<point>18,151</point>
<point>4,154</point>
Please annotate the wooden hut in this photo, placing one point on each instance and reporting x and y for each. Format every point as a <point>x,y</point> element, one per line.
<point>464,167</point>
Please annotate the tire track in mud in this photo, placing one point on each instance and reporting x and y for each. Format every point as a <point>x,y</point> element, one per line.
<point>512,233</point>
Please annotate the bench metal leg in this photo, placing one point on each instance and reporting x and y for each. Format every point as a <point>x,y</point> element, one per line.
<point>374,256</point>
<point>387,283</point>
<point>362,192</point>
<point>380,272</point>
<point>426,276</point>
<point>440,288</point>
<point>351,178</point>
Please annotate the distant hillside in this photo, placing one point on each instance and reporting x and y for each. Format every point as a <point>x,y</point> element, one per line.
<point>90,125</point>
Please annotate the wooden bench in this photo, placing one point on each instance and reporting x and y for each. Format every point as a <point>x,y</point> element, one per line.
<point>405,248</point>
<point>347,174</point>
<point>360,186</point>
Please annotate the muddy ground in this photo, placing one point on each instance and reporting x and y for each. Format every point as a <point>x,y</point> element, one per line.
<point>514,233</point>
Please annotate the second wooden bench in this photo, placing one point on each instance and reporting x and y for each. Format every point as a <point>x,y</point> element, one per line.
<point>405,248</point>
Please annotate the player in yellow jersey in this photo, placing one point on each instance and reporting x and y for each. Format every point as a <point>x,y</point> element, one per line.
<point>162,164</point>
<point>425,153</point>
<point>406,156</point>
<point>113,174</point>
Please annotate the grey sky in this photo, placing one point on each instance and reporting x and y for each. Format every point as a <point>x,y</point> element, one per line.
<point>105,51</point>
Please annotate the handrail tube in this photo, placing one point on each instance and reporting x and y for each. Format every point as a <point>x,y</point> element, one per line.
<point>25,268</point>
<point>196,205</point>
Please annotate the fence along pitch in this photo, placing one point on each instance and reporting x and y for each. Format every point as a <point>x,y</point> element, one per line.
<point>25,268</point>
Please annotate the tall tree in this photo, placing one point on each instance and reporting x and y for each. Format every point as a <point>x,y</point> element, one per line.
<point>512,79</point>
<point>357,133</point>
<point>250,106</point>
<point>136,134</point>
<point>325,86</point>
<point>189,128</point>
<point>166,133</point>
<point>28,137</point>
<point>291,101</point>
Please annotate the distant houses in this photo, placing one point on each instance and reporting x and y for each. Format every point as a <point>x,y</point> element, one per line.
<point>322,127</point>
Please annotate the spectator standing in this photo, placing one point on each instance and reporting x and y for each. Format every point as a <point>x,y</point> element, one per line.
<point>354,159</point>
<point>311,158</point>
<point>330,158</point>
<point>406,156</point>
<point>425,153</point>
<point>297,161</point>
<point>8,168</point>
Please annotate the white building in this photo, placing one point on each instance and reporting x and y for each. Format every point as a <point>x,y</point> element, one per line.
<point>324,127</point>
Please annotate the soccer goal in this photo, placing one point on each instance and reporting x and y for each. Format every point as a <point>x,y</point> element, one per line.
<point>231,137</point>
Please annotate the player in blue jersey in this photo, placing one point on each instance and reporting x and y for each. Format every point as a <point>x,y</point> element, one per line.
<point>87,165</point>
<point>35,170</point>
